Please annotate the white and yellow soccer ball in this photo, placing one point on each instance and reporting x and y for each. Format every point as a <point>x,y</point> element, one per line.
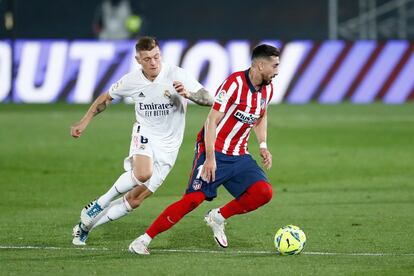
<point>290,240</point>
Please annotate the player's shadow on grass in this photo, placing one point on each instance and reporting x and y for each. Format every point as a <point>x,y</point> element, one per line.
<point>118,232</point>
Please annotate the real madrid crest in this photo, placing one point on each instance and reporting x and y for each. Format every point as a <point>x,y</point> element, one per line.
<point>167,94</point>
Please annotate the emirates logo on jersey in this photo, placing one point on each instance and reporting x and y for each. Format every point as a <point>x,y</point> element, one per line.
<point>246,118</point>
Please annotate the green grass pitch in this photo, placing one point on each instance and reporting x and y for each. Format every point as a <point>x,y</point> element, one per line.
<point>343,173</point>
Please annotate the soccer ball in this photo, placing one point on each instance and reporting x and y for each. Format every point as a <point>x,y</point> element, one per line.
<point>290,240</point>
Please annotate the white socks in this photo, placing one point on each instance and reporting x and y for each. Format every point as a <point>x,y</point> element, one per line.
<point>117,209</point>
<point>125,182</point>
<point>120,207</point>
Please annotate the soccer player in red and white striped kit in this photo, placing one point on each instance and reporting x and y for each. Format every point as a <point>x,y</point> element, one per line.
<point>221,155</point>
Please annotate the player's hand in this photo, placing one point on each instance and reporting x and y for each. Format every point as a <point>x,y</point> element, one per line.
<point>266,158</point>
<point>77,129</point>
<point>208,173</point>
<point>179,87</point>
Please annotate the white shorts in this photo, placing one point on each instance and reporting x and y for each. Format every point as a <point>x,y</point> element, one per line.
<point>162,161</point>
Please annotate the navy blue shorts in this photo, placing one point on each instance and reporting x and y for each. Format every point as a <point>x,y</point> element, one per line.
<point>235,173</point>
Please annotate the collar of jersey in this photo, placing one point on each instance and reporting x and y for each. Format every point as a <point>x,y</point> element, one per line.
<point>249,83</point>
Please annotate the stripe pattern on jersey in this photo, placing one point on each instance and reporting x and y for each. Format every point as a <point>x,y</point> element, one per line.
<point>243,107</point>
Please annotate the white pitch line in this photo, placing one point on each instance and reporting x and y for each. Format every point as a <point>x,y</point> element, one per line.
<point>224,251</point>
<point>53,248</point>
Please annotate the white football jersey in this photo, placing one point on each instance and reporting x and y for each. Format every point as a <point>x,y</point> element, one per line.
<point>159,109</point>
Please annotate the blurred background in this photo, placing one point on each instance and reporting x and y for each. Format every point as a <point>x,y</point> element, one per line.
<point>332,50</point>
<point>342,164</point>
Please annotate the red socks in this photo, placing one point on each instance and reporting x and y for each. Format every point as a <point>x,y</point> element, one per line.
<point>175,212</point>
<point>256,195</point>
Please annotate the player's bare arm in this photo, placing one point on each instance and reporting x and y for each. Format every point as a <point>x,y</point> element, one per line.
<point>260,130</point>
<point>208,173</point>
<point>201,97</point>
<point>98,106</point>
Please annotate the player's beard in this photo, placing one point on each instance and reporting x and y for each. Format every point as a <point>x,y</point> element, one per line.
<point>266,82</point>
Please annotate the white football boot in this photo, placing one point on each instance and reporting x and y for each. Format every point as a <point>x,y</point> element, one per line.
<point>79,235</point>
<point>139,246</point>
<point>217,227</point>
<point>89,213</point>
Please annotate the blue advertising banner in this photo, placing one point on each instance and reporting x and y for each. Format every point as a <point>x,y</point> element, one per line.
<point>47,71</point>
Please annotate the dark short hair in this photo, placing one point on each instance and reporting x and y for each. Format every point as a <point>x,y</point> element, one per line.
<point>146,43</point>
<point>265,51</point>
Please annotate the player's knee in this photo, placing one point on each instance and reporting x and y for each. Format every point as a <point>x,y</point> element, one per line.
<point>142,176</point>
<point>194,199</point>
<point>262,191</point>
<point>188,203</point>
<point>135,200</point>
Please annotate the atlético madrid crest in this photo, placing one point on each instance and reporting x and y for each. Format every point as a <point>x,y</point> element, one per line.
<point>197,185</point>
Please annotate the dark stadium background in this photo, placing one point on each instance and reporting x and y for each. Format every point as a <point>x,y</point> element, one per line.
<point>188,19</point>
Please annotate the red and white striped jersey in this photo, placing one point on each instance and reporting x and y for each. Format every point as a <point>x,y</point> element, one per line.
<point>242,106</point>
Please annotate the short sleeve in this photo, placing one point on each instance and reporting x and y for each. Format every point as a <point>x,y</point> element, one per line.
<point>188,80</point>
<point>120,89</point>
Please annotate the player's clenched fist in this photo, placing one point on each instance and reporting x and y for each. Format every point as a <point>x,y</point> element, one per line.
<point>77,129</point>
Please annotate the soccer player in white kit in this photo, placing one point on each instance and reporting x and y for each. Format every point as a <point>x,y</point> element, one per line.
<point>160,92</point>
